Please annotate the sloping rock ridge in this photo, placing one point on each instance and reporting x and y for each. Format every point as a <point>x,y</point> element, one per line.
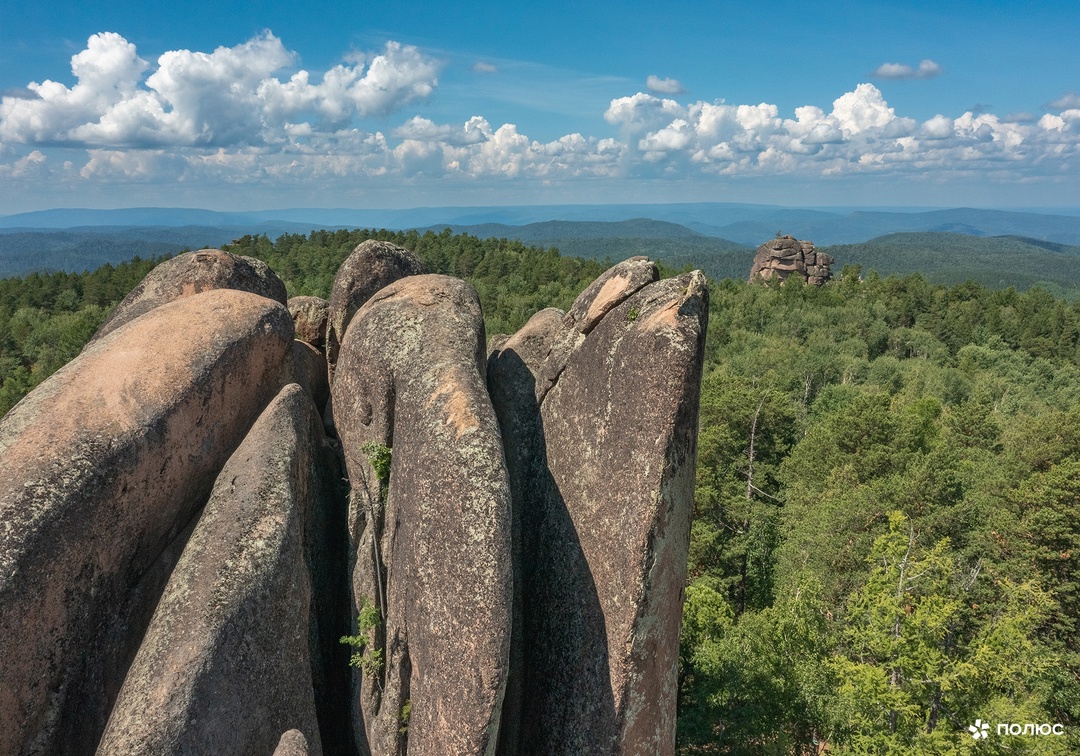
<point>485,554</point>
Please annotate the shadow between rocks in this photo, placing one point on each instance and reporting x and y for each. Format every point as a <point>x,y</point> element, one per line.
<point>559,698</point>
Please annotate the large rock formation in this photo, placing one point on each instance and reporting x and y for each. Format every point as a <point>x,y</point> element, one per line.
<point>102,467</point>
<point>227,660</point>
<point>192,273</point>
<point>598,412</point>
<point>371,266</point>
<point>785,255</point>
<point>179,554</point>
<point>432,549</point>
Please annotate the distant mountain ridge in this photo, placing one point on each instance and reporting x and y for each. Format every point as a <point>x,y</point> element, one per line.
<point>996,248</point>
<point>743,224</point>
<point>25,251</point>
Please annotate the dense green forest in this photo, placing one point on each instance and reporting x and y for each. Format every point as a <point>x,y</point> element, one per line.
<point>888,501</point>
<point>887,521</point>
<point>949,258</point>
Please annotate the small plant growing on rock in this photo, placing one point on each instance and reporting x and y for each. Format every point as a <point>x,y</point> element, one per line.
<point>371,663</point>
<point>632,314</point>
<point>379,455</point>
<point>381,459</point>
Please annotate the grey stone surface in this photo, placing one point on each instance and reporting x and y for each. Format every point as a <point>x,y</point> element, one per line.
<point>433,553</point>
<point>306,365</point>
<point>102,468</point>
<point>227,661</point>
<point>371,266</point>
<point>602,469</point>
<point>292,743</point>
<point>192,273</point>
<point>310,315</point>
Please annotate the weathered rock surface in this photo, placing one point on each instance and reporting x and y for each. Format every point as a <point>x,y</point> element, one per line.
<point>601,464</point>
<point>192,273</point>
<point>102,469</point>
<point>612,288</point>
<point>310,316</point>
<point>306,365</point>
<point>517,568</point>
<point>227,661</point>
<point>433,554</point>
<point>371,266</point>
<point>781,257</point>
<point>292,743</point>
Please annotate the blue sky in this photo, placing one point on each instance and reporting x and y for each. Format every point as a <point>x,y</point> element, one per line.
<point>260,105</point>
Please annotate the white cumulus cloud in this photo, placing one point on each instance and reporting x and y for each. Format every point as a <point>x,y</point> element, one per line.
<point>641,111</point>
<point>226,97</point>
<point>927,69</point>
<point>1068,101</point>
<point>664,86</point>
<point>249,115</point>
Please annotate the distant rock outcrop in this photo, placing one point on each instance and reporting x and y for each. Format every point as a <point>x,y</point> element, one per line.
<point>781,257</point>
<point>310,315</point>
<point>432,549</point>
<point>180,551</point>
<point>192,273</point>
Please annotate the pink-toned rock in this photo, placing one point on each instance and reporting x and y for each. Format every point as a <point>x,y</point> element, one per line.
<point>601,466</point>
<point>102,468</point>
<point>226,663</point>
<point>306,365</point>
<point>611,289</point>
<point>433,549</point>
<point>310,316</point>
<point>292,743</point>
<point>371,266</point>
<point>193,273</point>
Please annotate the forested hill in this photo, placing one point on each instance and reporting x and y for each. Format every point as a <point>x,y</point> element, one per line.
<point>675,244</point>
<point>887,512</point>
<point>941,257</point>
<point>25,251</point>
<point>997,261</point>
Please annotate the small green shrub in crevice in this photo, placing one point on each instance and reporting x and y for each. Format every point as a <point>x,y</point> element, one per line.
<point>368,660</point>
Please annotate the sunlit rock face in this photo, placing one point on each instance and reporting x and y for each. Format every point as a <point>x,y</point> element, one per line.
<point>431,545</point>
<point>229,656</point>
<point>193,273</point>
<point>599,418</point>
<point>102,469</point>
<point>371,266</point>
<point>502,536</point>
